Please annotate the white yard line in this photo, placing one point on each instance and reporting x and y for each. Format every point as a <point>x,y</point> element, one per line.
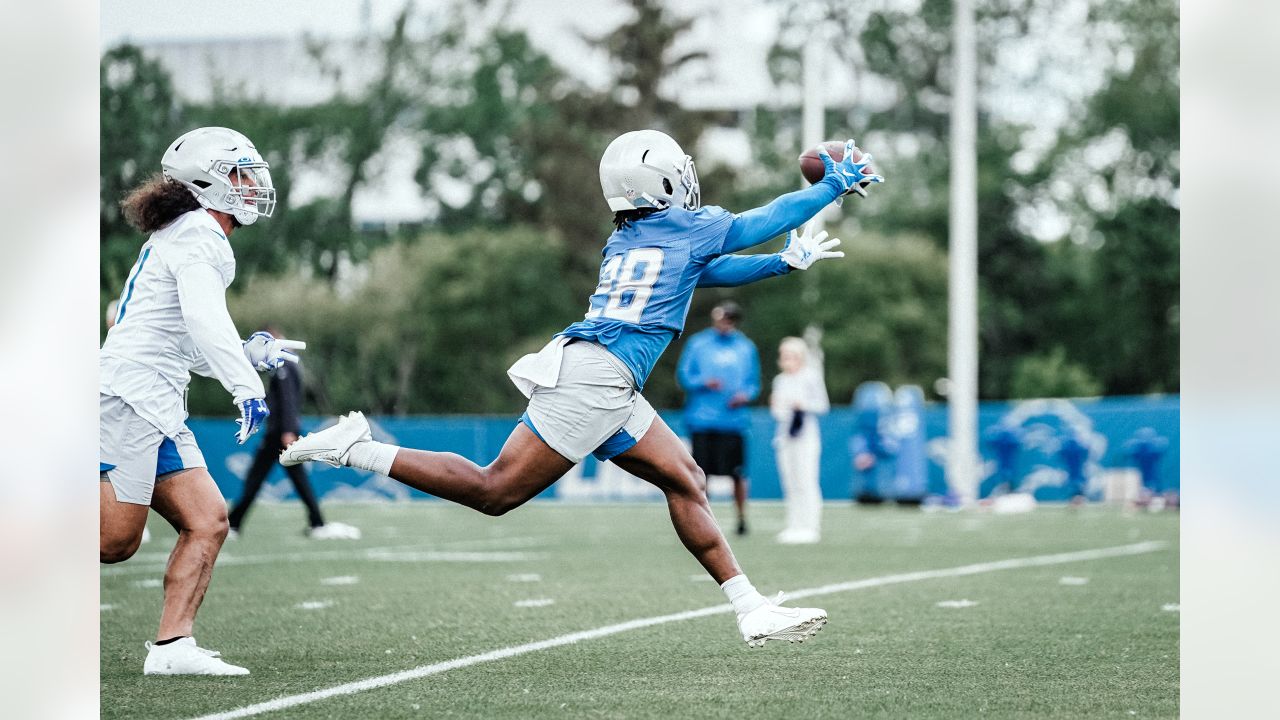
<point>412,553</point>
<point>562,640</point>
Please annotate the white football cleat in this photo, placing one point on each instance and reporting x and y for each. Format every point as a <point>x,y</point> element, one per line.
<point>334,531</point>
<point>774,622</point>
<point>184,657</point>
<point>330,445</point>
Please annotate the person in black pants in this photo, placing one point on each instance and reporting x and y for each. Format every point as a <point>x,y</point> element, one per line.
<point>284,397</point>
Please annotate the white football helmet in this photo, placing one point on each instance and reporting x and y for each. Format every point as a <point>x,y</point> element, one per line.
<point>647,169</point>
<point>224,171</point>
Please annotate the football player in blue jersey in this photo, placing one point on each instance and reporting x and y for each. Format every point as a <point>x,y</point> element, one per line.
<point>584,386</point>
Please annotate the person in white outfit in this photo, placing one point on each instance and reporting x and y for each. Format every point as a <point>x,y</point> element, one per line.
<point>799,397</point>
<point>171,321</point>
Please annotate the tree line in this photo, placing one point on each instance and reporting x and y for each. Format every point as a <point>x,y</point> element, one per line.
<point>425,318</point>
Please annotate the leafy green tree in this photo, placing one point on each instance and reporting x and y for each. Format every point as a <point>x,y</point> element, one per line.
<point>883,316</point>
<point>1033,294</point>
<point>527,137</point>
<point>430,326</point>
<point>141,115</point>
<point>1052,375</point>
<point>1115,173</point>
<point>343,135</point>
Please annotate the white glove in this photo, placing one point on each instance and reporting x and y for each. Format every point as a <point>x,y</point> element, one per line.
<point>268,353</point>
<point>803,250</point>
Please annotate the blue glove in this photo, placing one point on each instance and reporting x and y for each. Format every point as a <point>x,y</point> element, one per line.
<point>266,352</point>
<point>851,175</point>
<point>252,413</point>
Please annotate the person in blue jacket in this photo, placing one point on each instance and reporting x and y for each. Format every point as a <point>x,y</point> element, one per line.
<point>584,387</point>
<point>720,373</point>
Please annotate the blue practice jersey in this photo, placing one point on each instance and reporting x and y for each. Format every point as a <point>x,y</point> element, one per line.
<point>650,270</point>
<point>652,266</point>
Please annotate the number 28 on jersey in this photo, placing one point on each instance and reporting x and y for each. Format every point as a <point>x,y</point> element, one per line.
<point>626,284</point>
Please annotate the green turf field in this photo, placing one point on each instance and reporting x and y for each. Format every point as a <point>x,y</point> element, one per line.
<point>430,583</point>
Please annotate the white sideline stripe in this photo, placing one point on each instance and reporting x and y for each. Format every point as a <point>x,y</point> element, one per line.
<point>571,638</point>
<point>413,554</point>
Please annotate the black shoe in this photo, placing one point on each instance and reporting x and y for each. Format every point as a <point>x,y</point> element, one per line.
<point>742,527</point>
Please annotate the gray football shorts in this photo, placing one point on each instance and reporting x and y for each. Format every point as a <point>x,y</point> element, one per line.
<point>134,455</point>
<point>594,409</point>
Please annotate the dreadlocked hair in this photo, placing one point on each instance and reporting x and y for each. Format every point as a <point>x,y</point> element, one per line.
<point>156,203</point>
<point>624,218</point>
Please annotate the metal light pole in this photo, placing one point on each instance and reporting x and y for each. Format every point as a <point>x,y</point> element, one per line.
<point>813,130</point>
<point>962,351</point>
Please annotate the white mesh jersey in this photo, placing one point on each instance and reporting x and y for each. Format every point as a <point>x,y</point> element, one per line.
<point>172,320</point>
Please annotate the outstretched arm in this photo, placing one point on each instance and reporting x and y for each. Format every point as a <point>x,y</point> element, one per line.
<point>800,253</point>
<point>792,210</point>
<point>735,270</point>
<point>786,212</point>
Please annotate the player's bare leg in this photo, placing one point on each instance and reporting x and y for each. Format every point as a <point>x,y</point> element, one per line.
<point>525,467</point>
<point>120,525</point>
<point>660,458</point>
<point>192,504</point>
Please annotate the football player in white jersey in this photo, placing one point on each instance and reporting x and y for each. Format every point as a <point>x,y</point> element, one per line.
<point>171,321</point>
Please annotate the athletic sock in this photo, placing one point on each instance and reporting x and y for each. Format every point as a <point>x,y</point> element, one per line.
<point>172,639</point>
<point>373,456</point>
<point>742,594</point>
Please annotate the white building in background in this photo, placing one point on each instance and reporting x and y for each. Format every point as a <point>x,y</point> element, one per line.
<point>285,69</point>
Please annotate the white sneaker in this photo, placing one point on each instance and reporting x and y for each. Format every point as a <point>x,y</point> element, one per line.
<point>184,657</point>
<point>330,445</point>
<point>206,651</point>
<point>334,531</point>
<point>774,622</point>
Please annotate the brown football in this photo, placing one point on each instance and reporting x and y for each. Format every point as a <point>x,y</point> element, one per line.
<point>811,165</point>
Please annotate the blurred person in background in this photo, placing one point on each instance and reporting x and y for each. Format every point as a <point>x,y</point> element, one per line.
<point>172,320</point>
<point>719,371</point>
<point>871,446</point>
<point>283,425</point>
<point>1074,455</point>
<point>799,397</point>
<point>584,386</point>
<point>284,397</point>
<point>1145,449</point>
